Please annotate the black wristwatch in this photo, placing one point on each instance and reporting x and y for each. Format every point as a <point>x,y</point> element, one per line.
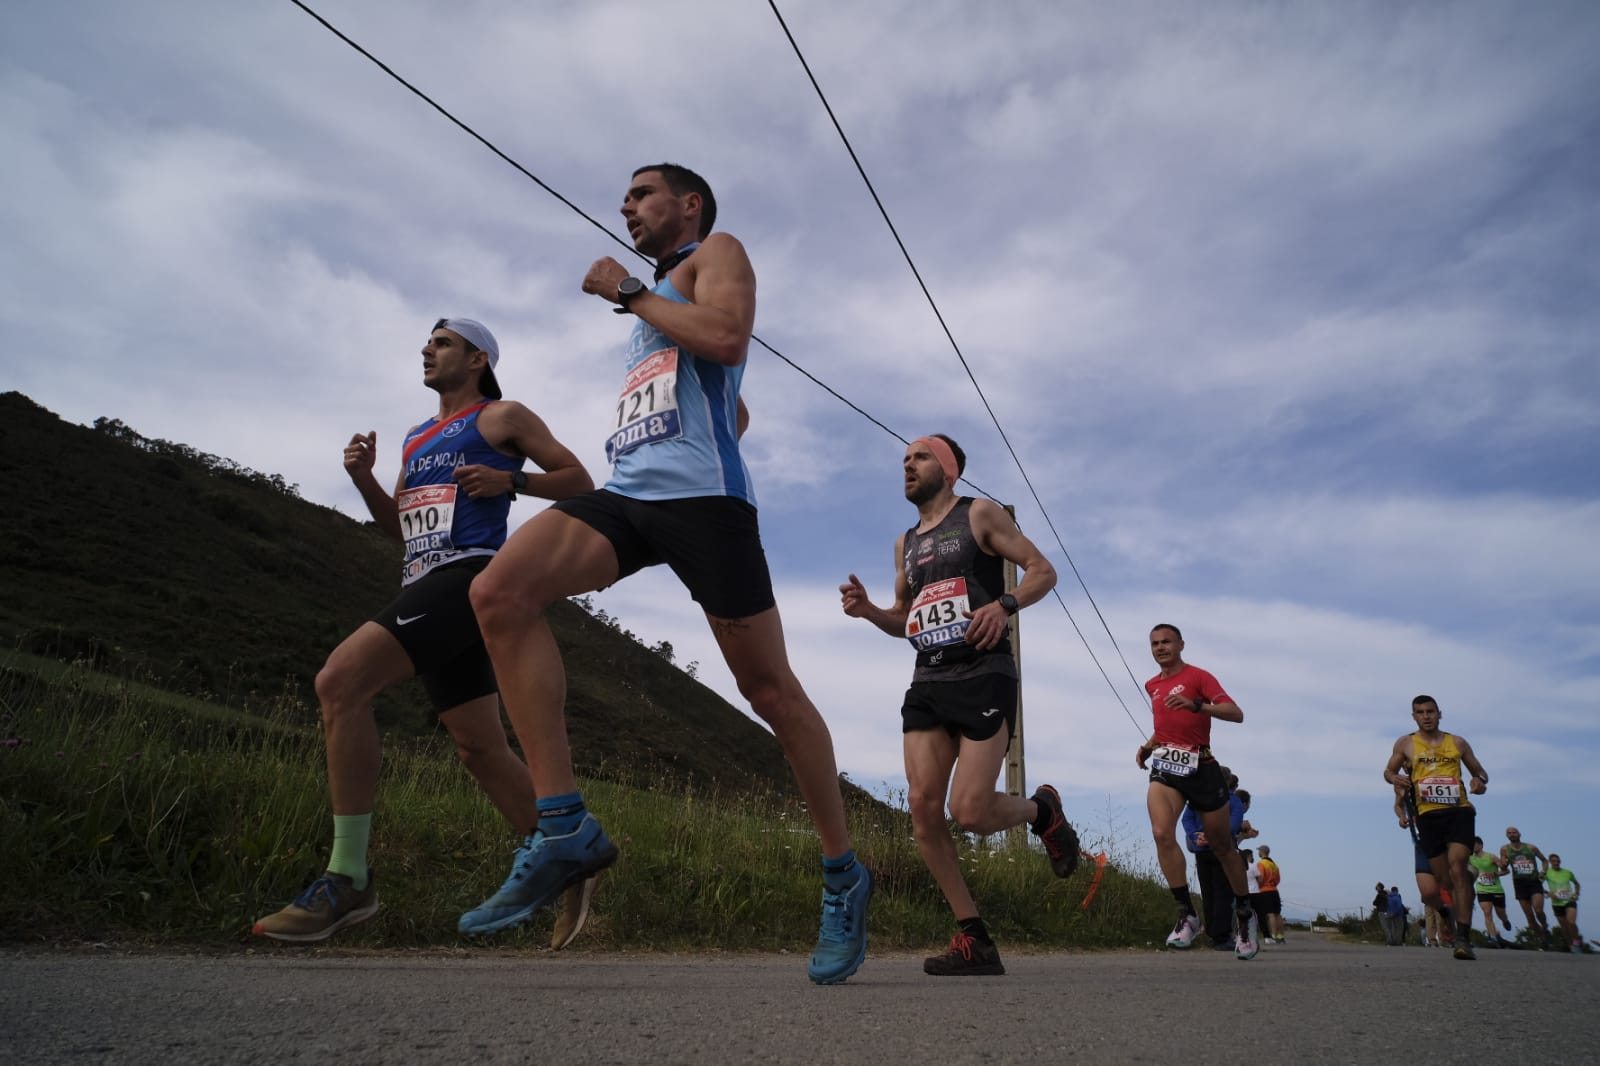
<point>628,288</point>
<point>519,481</point>
<point>1009,602</point>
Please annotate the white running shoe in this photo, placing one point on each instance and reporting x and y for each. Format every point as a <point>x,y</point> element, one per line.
<point>1249,932</point>
<point>1184,932</point>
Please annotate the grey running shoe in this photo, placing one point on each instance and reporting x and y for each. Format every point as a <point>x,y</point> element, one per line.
<point>1464,949</point>
<point>968,957</point>
<point>1060,840</point>
<point>328,904</point>
<point>574,911</point>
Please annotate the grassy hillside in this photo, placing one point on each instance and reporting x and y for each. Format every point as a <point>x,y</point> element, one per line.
<point>150,560</point>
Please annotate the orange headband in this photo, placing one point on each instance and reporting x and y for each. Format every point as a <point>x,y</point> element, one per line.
<point>947,458</point>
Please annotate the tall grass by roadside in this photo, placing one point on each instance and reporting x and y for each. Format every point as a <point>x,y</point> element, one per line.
<point>126,811</point>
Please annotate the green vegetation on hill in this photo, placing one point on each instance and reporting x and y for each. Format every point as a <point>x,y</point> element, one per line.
<point>150,560</point>
<point>126,811</point>
<point>161,773</point>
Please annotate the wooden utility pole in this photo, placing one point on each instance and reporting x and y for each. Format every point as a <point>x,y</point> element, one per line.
<point>1016,771</point>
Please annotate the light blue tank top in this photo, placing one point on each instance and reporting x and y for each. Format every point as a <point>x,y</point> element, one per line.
<point>675,427</point>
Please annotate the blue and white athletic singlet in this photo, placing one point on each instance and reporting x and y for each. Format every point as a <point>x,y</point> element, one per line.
<point>675,429</point>
<point>439,521</point>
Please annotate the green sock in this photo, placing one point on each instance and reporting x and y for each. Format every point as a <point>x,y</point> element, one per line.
<point>350,834</point>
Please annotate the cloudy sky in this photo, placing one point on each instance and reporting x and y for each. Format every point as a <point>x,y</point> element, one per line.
<point>1289,312</point>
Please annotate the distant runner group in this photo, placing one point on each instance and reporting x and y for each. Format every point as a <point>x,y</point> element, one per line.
<point>469,621</point>
<point>1433,773</point>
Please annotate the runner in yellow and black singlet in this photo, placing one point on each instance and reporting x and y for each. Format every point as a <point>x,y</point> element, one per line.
<point>1428,764</point>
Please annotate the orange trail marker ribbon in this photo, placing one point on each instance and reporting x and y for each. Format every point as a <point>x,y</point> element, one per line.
<point>1099,872</point>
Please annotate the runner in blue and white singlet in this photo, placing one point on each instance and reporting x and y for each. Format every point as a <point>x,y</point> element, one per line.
<point>448,508</point>
<point>440,522</point>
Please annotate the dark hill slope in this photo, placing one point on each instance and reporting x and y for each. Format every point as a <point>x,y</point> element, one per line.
<point>186,569</point>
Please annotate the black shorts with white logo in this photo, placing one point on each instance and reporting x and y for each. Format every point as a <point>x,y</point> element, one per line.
<point>1205,789</point>
<point>433,621</point>
<point>713,544</point>
<point>1437,830</point>
<point>972,707</point>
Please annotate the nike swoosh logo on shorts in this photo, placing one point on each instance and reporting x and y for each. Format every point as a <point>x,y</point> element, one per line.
<point>407,621</point>
<point>991,713</point>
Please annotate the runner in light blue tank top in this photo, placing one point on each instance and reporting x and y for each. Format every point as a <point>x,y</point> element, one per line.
<point>680,497</point>
<point>675,432</point>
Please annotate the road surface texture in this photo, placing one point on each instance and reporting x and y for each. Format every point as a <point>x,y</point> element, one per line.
<point>1307,1001</point>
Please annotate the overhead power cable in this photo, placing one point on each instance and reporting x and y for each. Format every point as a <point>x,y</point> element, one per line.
<point>624,244</point>
<point>951,338</point>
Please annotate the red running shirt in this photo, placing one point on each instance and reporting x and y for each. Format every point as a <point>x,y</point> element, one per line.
<point>1174,725</point>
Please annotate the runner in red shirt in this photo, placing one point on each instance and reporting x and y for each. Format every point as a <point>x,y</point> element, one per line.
<point>1184,699</point>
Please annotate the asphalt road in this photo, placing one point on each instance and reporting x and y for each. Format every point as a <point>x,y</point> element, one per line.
<point>1308,1001</point>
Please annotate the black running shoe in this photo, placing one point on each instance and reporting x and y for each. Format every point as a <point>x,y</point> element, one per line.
<point>1060,840</point>
<point>968,957</point>
<point>1464,949</point>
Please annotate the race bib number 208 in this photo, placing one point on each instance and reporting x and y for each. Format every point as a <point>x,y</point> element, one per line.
<point>1175,761</point>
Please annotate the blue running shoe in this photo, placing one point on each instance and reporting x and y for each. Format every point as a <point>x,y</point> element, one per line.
<point>544,868</point>
<point>842,942</point>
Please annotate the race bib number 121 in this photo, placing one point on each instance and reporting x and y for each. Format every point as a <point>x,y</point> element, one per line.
<point>647,410</point>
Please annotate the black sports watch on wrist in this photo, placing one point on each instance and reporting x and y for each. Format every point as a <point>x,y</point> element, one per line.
<point>1009,602</point>
<point>628,288</point>
<point>519,481</point>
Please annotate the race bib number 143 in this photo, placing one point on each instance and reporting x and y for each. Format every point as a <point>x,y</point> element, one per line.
<point>938,615</point>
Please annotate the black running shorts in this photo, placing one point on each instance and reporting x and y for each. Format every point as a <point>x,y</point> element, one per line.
<point>1266,903</point>
<point>1437,830</point>
<point>973,707</point>
<point>712,543</point>
<point>1527,889</point>
<point>1497,898</point>
<point>1205,789</point>
<point>433,621</point>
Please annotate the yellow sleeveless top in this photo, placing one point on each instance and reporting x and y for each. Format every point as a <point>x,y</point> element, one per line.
<point>1436,775</point>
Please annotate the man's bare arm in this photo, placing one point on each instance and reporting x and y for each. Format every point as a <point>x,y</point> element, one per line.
<point>718,323</point>
<point>892,619</point>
